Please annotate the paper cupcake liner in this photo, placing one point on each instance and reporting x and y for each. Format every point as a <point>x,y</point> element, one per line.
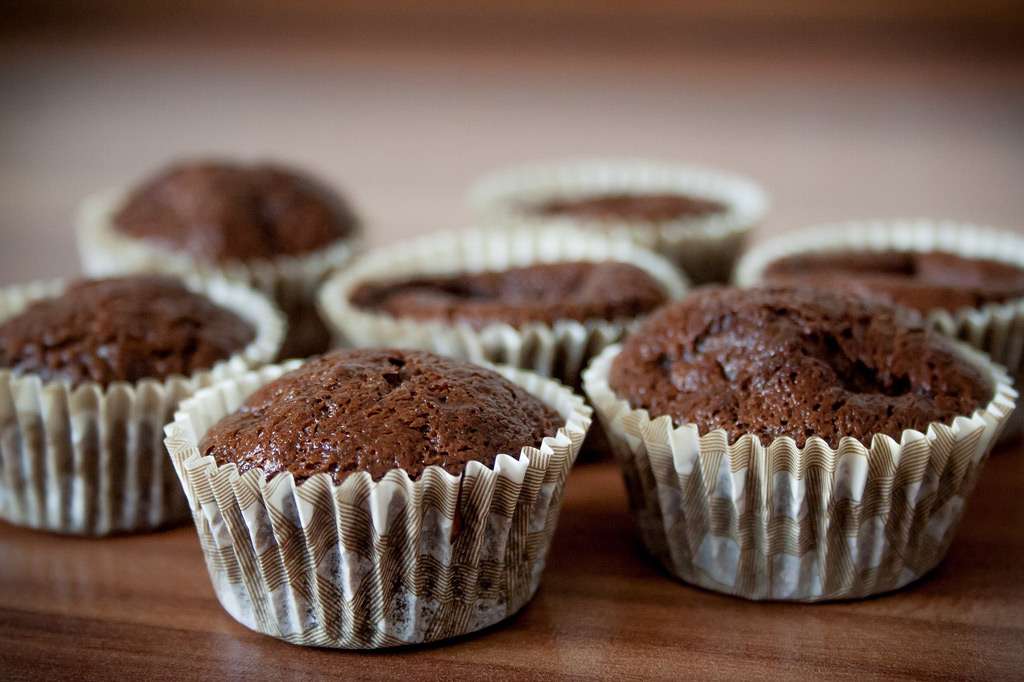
<point>90,460</point>
<point>797,524</point>
<point>995,328</point>
<point>291,281</point>
<point>372,564</point>
<point>559,350</point>
<point>704,247</point>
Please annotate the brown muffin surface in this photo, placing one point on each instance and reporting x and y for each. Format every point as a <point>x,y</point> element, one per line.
<point>921,281</point>
<point>376,410</point>
<point>219,212</point>
<point>121,329</point>
<point>779,361</point>
<point>537,293</point>
<point>660,207</point>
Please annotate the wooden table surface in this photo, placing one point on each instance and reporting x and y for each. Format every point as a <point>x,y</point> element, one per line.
<point>143,607</point>
<point>404,126</point>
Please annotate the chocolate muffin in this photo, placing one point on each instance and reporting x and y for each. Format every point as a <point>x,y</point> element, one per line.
<point>220,212</point>
<point>653,207</point>
<point>537,293</point>
<point>377,410</point>
<point>795,362</point>
<point>921,281</point>
<point>695,217</point>
<point>276,228</point>
<point>121,329</point>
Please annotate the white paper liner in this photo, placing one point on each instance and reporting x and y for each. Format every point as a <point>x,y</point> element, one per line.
<point>291,281</point>
<point>560,350</point>
<point>704,246</point>
<point>372,564</point>
<point>995,328</point>
<point>90,460</point>
<point>797,524</point>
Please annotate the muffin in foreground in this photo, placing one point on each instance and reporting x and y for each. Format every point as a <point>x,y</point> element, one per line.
<point>695,217</point>
<point>372,498</point>
<point>967,281</point>
<point>276,228</point>
<point>89,374</point>
<point>797,444</point>
<point>543,300</point>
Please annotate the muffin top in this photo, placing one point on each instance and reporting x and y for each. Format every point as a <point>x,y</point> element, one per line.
<point>218,212</point>
<point>781,361</point>
<point>376,410</point>
<point>653,207</point>
<point>581,291</point>
<point>121,329</point>
<point>922,281</point>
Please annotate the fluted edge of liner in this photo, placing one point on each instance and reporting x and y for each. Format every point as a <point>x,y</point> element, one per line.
<point>797,524</point>
<point>368,564</point>
<point>90,460</point>
<point>559,350</point>
<point>704,246</point>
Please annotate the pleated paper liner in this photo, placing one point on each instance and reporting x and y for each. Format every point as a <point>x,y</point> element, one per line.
<point>797,524</point>
<point>704,246</point>
<point>372,564</point>
<point>291,281</point>
<point>559,350</point>
<point>90,460</point>
<point>995,328</point>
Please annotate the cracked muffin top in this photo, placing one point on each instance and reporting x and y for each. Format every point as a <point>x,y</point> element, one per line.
<point>377,410</point>
<point>921,281</point>
<point>220,212</point>
<point>121,329</point>
<point>654,207</point>
<point>780,361</point>
<point>581,290</point>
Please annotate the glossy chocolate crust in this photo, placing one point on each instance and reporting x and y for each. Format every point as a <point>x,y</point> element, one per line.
<point>121,329</point>
<point>538,293</point>
<point>653,208</point>
<point>220,212</point>
<point>377,410</point>
<point>922,281</point>
<point>795,362</point>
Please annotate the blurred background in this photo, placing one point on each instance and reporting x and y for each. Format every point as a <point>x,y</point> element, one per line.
<point>841,109</point>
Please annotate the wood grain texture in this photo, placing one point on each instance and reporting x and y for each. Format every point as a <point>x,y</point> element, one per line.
<point>143,606</point>
<point>405,125</point>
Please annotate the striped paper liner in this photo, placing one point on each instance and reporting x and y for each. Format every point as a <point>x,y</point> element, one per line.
<point>705,247</point>
<point>559,350</point>
<point>90,460</point>
<point>291,281</point>
<point>995,328</point>
<point>797,524</point>
<point>368,564</point>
